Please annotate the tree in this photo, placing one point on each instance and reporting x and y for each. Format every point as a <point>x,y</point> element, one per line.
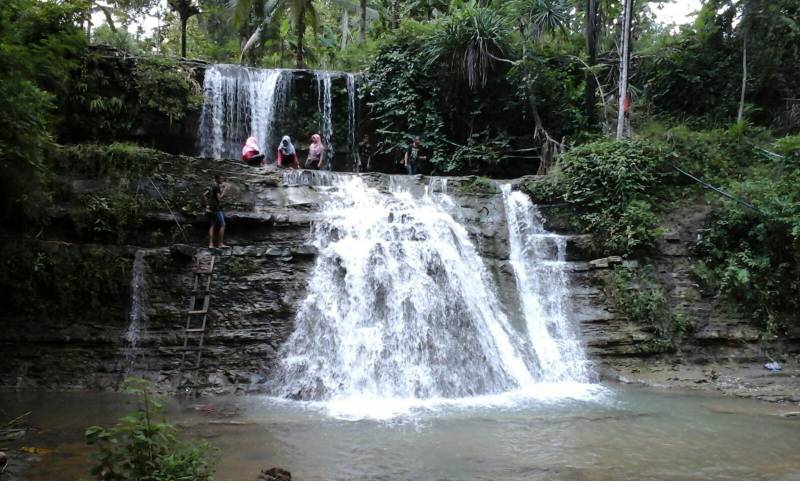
<point>592,34</point>
<point>301,13</point>
<point>362,21</point>
<point>186,9</point>
<point>624,61</point>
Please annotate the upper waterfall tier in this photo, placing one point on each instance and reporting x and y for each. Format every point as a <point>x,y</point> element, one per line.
<point>240,102</point>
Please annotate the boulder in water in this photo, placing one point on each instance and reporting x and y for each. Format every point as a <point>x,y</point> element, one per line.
<point>274,474</point>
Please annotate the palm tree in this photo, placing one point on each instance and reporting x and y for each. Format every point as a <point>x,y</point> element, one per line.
<point>471,42</point>
<point>301,11</point>
<point>186,9</point>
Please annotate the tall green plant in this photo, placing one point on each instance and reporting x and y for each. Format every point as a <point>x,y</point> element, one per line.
<point>143,446</point>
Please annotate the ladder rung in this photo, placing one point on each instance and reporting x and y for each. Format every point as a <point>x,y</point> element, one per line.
<point>201,311</point>
<point>196,329</point>
<point>202,271</point>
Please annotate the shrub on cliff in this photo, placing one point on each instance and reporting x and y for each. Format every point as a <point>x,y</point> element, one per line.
<point>37,43</point>
<point>614,186</point>
<point>143,446</point>
<point>754,257</point>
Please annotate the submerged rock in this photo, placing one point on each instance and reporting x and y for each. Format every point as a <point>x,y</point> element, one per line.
<point>274,474</point>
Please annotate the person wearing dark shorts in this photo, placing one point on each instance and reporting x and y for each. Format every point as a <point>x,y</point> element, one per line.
<point>213,197</point>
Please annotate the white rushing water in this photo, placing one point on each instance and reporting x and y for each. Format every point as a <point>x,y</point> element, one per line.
<point>401,312</point>
<point>351,123</point>
<point>137,314</point>
<point>239,103</point>
<point>537,257</point>
<point>325,101</point>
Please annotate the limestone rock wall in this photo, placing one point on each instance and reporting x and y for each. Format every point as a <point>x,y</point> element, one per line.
<point>259,283</point>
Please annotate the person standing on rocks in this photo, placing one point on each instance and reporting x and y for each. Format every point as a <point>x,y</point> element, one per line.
<point>316,153</point>
<point>213,198</point>
<point>413,156</point>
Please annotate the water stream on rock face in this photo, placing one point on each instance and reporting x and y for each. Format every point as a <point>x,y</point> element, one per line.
<point>239,103</point>
<point>401,311</point>
<point>537,258</point>
<point>137,316</point>
<point>351,123</point>
<point>325,101</point>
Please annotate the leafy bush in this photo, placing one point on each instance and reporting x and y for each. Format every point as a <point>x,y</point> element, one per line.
<point>714,155</point>
<point>38,45</point>
<point>642,300</point>
<point>143,446</point>
<point>613,185</point>
<point>547,189</point>
<point>102,160</point>
<point>114,217</point>
<point>166,88</point>
<point>752,257</point>
<point>477,185</point>
<point>789,147</point>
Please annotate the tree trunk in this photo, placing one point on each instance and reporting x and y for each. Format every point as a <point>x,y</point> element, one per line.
<point>740,117</point>
<point>591,49</point>
<point>362,22</point>
<point>301,32</point>
<point>345,27</point>
<point>624,60</point>
<point>184,21</point>
<point>395,14</point>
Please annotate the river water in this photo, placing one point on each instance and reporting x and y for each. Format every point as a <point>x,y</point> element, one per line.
<point>611,433</point>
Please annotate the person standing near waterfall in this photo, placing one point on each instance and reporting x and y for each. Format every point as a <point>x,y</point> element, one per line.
<point>413,156</point>
<point>316,153</point>
<point>287,156</point>
<point>213,197</point>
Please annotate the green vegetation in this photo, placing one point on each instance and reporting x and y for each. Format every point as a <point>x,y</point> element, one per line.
<point>752,257</point>
<point>107,160</point>
<point>166,88</point>
<point>111,97</point>
<point>59,282</point>
<point>144,446</point>
<point>493,88</point>
<point>477,185</point>
<point>615,185</point>
<point>640,299</point>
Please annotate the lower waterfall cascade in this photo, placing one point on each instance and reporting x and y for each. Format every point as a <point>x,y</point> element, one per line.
<point>401,308</point>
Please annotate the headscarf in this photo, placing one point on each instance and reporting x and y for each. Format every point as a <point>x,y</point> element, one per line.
<point>250,146</point>
<point>286,146</point>
<point>316,148</point>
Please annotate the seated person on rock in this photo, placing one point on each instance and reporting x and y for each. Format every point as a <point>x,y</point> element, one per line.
<point>287,156</point>
<point>251,154</point>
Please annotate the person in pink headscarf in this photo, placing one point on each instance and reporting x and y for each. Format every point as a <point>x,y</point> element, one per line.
<point>316,153</point>
<point>251,154</point>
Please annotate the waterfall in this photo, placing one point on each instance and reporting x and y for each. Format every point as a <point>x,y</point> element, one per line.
<point>351,122</point>
<point>240,102</point>
<point>325,102</point>
<point>137,314</point>
<point>537,258</point>
<point>399,306</point>
<point>400,309</point>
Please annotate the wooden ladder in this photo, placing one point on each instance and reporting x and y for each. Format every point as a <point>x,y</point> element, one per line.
<point>197,317</point>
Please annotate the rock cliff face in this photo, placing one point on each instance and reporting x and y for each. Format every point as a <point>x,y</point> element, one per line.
<point>260,281</point>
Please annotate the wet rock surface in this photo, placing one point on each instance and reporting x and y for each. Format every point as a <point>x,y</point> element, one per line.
<point>260,281</point>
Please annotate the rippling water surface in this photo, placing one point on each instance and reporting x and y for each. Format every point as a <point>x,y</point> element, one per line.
<point>563,432</point>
